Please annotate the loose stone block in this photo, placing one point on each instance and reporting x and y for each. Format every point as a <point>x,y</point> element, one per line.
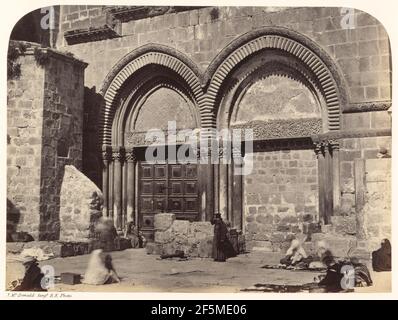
<point>163,221</point>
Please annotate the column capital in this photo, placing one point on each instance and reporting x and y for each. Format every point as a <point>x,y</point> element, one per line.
<point>318,147</point>
<point>334,144</point>
<point>131,155</point>
<point>106,153</point>
<point>118,153</point>
<point>236,152</point>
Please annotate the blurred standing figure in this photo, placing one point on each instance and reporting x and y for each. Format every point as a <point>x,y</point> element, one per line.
<point>106,233</point>
<point>100,269</point>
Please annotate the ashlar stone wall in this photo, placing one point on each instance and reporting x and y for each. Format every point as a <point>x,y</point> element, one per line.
<point>45,116</point>
<point>194,238</point>
<point>25,97</point>
<point>280,197</point>
<point>362,53</point>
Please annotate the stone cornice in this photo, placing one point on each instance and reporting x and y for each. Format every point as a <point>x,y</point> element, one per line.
<point>91,34</point>
<point>367,106</point>
<point>32,47</point>
<point>130,13</point>
<point>343,134</point>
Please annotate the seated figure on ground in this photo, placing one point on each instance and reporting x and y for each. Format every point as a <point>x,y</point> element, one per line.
<point>100,269</point>
<point>381,258</point>
<point>135,236</point>
<point>322,249</point>
<point>33,278</point>
<point>294,254</point>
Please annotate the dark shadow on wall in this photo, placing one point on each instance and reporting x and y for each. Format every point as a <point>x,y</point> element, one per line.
<point>91,145</point>
<point>13,219</point>
<point>52,174</point>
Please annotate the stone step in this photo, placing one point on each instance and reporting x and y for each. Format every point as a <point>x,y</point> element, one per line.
<point>256,245</point>
<point>341,246</point>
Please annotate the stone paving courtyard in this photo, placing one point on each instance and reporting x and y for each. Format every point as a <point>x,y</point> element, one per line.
<point>142,272</point>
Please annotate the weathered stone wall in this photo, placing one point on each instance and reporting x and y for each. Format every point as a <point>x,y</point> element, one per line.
<point>351,149</point>
<point>62,136</point>
<point>44,133</point>
<point>361,53</point>
<point>194,238</point>
<point>24,130</point>
<point>280,197</point>
<point>80,206</point>
<point>377,209</point>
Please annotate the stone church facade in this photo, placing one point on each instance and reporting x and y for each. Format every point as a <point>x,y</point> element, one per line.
<point>316,93</point>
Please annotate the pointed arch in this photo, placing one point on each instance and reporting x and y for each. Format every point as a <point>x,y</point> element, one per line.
<point>304,49</point>
<point>135,61</point>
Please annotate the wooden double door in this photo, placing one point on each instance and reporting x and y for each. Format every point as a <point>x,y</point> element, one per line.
<point>171,188</point>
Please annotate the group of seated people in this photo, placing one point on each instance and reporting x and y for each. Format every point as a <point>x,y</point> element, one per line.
<point>341,274</point>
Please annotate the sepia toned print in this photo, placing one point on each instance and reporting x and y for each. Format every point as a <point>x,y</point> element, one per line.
<point>199,149</point>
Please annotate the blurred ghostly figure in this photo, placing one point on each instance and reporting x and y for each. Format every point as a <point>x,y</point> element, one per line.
<point>381,258</point>
<point>294,254</point>
<point>100,269</point>
<point>106,233</point>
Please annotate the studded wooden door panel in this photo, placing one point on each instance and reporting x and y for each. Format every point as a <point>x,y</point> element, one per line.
<point>166,188</point>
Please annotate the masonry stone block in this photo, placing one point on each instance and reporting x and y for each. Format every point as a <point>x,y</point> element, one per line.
<point>163,221</point>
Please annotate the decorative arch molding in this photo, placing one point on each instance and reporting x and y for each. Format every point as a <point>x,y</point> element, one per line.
<point>131,99</point>
<point>301,47</point>
<point>146,55</point>
<point>258,68</point>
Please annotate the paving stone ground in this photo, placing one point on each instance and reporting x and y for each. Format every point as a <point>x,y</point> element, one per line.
<point>142,272</point>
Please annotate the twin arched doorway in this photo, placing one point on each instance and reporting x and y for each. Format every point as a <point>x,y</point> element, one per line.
<point>274,82</point>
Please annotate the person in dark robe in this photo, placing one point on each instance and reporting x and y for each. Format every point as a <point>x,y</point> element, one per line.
<point>220,239</point>
<point>381,258</point>
<point>134,235</point>
<point>332,281</point>
<point>33,277</point>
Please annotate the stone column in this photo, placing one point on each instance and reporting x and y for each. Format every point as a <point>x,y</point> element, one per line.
<point>106,157</point>
<point>118,156</point>
<point>328,183</point>
<point>216,194</point>
<point>111,188</point>
<point>237,188</point>
<point>124,194</point>
<point>209,169</point>
<point>319,151</point>
<point>360,191</point>
<point>223,185</point>
<point>131,162</point>
<point>335,147</point>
